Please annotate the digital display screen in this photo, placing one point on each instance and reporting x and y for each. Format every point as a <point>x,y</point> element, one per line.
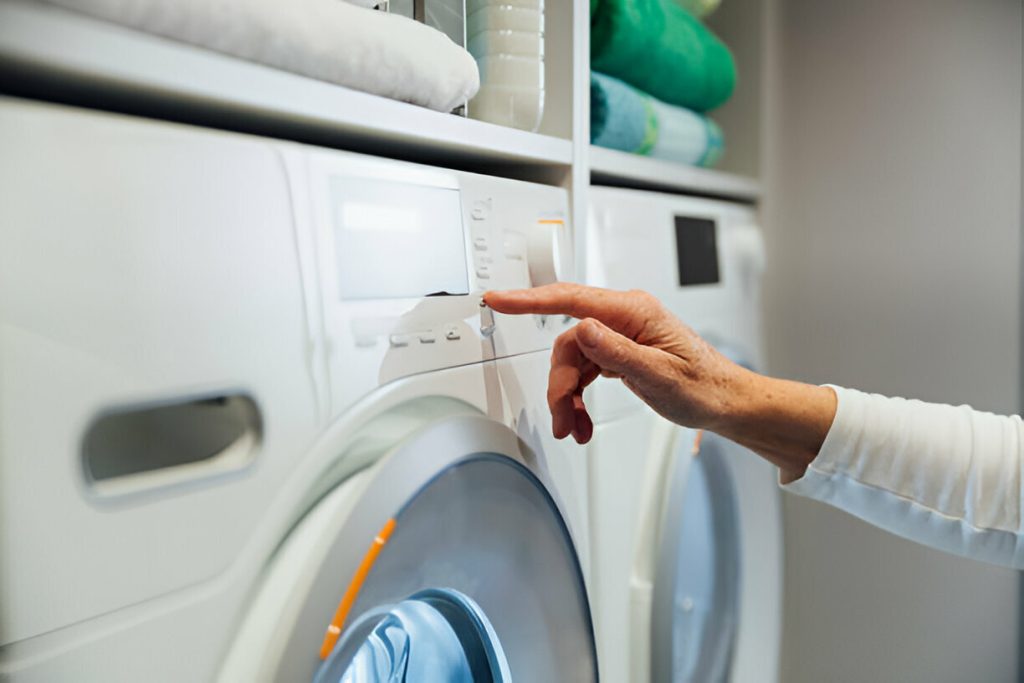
<point>696,251</point>
<point>397,240</point>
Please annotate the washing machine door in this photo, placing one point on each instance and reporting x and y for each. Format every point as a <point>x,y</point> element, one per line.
<point>695,598</point>
<point>448,560</point>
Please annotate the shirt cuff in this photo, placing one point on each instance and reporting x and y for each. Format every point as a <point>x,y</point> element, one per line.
<point>820,470</point>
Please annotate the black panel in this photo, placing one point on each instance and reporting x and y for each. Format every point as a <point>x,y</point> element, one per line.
<point>696,251</point>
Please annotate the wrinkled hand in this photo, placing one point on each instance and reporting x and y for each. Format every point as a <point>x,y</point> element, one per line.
<point>630,336</point>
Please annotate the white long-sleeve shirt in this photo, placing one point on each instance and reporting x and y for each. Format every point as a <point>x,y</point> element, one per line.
<point>948,477</point>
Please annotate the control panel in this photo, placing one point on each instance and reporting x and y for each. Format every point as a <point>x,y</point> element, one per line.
<point>400,255</point>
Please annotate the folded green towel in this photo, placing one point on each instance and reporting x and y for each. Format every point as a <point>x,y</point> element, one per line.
<point>699,8</point>
<point>623,118</point>
<point>660,48</point>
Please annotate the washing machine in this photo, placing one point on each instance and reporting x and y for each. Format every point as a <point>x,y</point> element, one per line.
<point>255,424</point>
<point>686,526</point>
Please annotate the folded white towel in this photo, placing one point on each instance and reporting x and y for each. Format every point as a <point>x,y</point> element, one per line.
<point>334,41</point>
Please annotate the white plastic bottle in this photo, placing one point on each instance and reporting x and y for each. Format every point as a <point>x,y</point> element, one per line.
<point>507,39</point>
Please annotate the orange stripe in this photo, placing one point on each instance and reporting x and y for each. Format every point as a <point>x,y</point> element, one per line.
<point>696,442</point>
<point>354,586</point>
<point>551,221</point>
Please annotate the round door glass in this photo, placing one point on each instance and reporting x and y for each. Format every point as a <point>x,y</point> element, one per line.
<point>697,587</point>
<point>479,581</point>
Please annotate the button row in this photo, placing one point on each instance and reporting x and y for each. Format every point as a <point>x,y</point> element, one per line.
<point>398,341</point>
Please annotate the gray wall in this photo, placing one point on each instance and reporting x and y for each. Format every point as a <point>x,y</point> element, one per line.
<point>893,224</point>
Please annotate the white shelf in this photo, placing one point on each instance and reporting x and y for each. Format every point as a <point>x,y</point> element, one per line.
<point>608,166</point>
<point>62,49</point>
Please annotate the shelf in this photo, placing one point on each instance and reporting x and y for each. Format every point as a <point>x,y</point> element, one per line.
<point>57,54</point>
<point>611,167</point>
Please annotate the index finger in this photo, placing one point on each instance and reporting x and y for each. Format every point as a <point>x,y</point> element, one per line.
<point>565,298</point>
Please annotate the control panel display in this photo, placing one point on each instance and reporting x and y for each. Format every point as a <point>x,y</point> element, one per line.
<point>397,240</point>
<point>696,251</point>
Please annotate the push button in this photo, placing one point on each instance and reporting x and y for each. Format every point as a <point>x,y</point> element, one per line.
<point>480,209</point>
<point>480,243</point>
<point>399,340</point>
<point>427,338</point>
<point>452,334</point>
<point>483,273</point>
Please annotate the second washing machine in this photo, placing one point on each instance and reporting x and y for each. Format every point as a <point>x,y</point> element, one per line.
<point>686,526</point>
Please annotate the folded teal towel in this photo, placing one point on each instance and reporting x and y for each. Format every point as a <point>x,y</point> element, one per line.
<point>659,47</point>
<point>623,118</point>
<point>620,117</point>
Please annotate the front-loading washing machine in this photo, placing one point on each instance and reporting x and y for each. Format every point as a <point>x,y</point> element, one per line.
<point>256,425</point>
<point>686,526</point>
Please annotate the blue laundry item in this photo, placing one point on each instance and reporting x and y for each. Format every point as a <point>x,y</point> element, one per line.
<point>623,118</point>
<point>437,634</point>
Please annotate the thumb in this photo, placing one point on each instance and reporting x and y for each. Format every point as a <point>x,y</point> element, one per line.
<point>615,353</point>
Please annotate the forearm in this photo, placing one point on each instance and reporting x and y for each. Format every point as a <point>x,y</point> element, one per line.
<point>784,422</point>
<point>948,477</point>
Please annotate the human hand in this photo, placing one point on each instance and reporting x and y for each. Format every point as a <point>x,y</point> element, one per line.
<point>630,336</point>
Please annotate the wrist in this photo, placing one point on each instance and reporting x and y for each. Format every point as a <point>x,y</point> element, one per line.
<point>783,421</point>
<point>737,393</point>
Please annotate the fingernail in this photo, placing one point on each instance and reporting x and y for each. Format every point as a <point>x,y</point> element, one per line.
<point>589,333</point>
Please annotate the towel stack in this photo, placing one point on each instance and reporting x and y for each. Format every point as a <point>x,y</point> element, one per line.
<point>656,70</point>
<point>339,42</point>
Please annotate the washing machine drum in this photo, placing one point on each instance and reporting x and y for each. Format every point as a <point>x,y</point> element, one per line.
<point>695,610</point>
<point>471,575</point>
<point>477,581</point>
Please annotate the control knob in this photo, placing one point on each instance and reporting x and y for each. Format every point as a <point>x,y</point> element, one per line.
<point>549,252</point>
